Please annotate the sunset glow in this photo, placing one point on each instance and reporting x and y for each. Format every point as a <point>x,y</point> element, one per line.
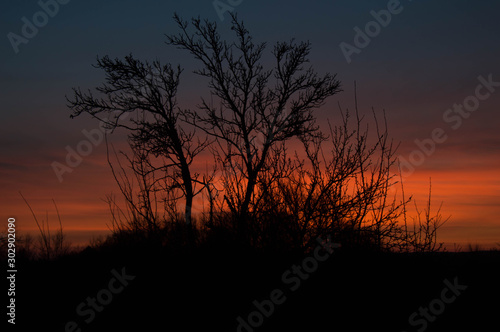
<point>410,74</point>
<point>250,166</point>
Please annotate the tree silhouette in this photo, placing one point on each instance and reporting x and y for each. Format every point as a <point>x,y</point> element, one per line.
<point>273,105</point>
<point>149,92</point>
<point>267,197</point>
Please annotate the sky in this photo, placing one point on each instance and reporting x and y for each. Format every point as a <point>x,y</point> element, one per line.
<point>432,66</point>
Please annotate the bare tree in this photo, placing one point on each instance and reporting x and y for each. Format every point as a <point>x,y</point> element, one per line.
<point>340,186</point>
<point>274,105</point>
<point>148,91</point>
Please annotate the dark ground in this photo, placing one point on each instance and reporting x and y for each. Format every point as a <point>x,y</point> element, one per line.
<point>207,288</point>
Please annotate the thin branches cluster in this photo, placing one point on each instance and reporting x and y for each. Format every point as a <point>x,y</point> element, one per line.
<point>258,192</point>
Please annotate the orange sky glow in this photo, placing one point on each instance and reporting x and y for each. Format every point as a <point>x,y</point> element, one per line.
<point>470,198</point>
<point>411,72</point>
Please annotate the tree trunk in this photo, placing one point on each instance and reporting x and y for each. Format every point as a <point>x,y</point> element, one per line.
<point>188,188</point>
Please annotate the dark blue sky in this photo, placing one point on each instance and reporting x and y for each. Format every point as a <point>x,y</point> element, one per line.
<point>426,59</point>
<point>428,51</point>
